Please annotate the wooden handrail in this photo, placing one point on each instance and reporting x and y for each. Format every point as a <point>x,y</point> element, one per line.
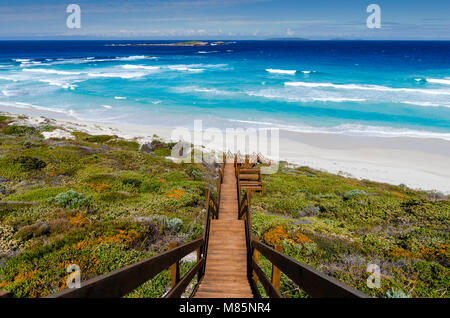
<point>180,287</point>
<point>270,289</point>
<point>315,283</point>
<point>215,207</point>
<point>122,281</point>
<point>248,240</point>
<point>243,207</point>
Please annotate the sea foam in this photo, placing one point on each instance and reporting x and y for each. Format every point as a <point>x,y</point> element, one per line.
<point>367,87</point>
<point>438,81</point>
<point>144,67</point>
<point>50,71</point>
<point>286,72</point>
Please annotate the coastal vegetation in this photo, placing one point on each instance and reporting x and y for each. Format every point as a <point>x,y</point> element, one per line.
<point>341,225</point>
<point>103,202</point>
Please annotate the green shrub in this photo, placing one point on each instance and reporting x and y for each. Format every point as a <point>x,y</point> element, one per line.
<point>46,127</point>
<point>290,205</point>
<point>36,194</point>
<point>132,145</point>
<point>170,224</point>
<point>395,293</point>
<point>3,118</point>
<point>150,185</point>
<point>310,210</point>
<point>71,199</point>
<point>18,130</point>
<point>174,224</point>
<point>353,193</point>
<point>163,152</point>
<point>194,173</point>
<point>113,196</point>
<point>132,182</point>
<point>30,163</point>
<point>100,138</point>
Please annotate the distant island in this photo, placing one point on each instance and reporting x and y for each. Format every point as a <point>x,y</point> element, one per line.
<point>186,43</point>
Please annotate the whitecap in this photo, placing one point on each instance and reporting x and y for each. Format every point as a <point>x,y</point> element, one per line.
<point>196,70</point>
<point>190,89</point>
<point>286,72</point>
<point>119,97</point>
<point>184,68</point>
<point>438,81</point>
<point>117,75</point>
<point>132,58</point>
<point>367,87</point>
<point>7,93</point>
<point>6,78</point>
<point>144,67</point>
<point>283,95</point>
<point>59,84</point>
<point>425,104</point>
<point>49,71</point>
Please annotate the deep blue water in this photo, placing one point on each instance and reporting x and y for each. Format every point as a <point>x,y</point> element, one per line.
<point>379,88</point>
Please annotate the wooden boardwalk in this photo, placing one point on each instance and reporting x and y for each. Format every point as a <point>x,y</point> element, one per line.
<point>226,263</point>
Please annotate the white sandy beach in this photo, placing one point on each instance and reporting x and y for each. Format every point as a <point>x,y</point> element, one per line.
<point>418,163</point>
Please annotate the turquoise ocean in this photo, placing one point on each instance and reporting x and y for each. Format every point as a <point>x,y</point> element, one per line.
<point>364,88</point>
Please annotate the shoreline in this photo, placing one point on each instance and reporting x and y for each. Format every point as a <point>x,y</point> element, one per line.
<point>419,163</point>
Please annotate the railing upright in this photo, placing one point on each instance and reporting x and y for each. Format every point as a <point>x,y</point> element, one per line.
<point>206,231</point>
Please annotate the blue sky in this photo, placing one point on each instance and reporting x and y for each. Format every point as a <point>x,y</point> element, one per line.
<point>225,19</point>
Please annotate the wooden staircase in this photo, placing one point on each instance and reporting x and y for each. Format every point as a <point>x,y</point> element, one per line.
<point>226,262</point>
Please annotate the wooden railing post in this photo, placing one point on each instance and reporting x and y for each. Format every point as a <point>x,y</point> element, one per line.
<point>255,258</point>
<point>207,196</point>
<point>174,268</point>
<point>276,272</point>
<point>199,256</point>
